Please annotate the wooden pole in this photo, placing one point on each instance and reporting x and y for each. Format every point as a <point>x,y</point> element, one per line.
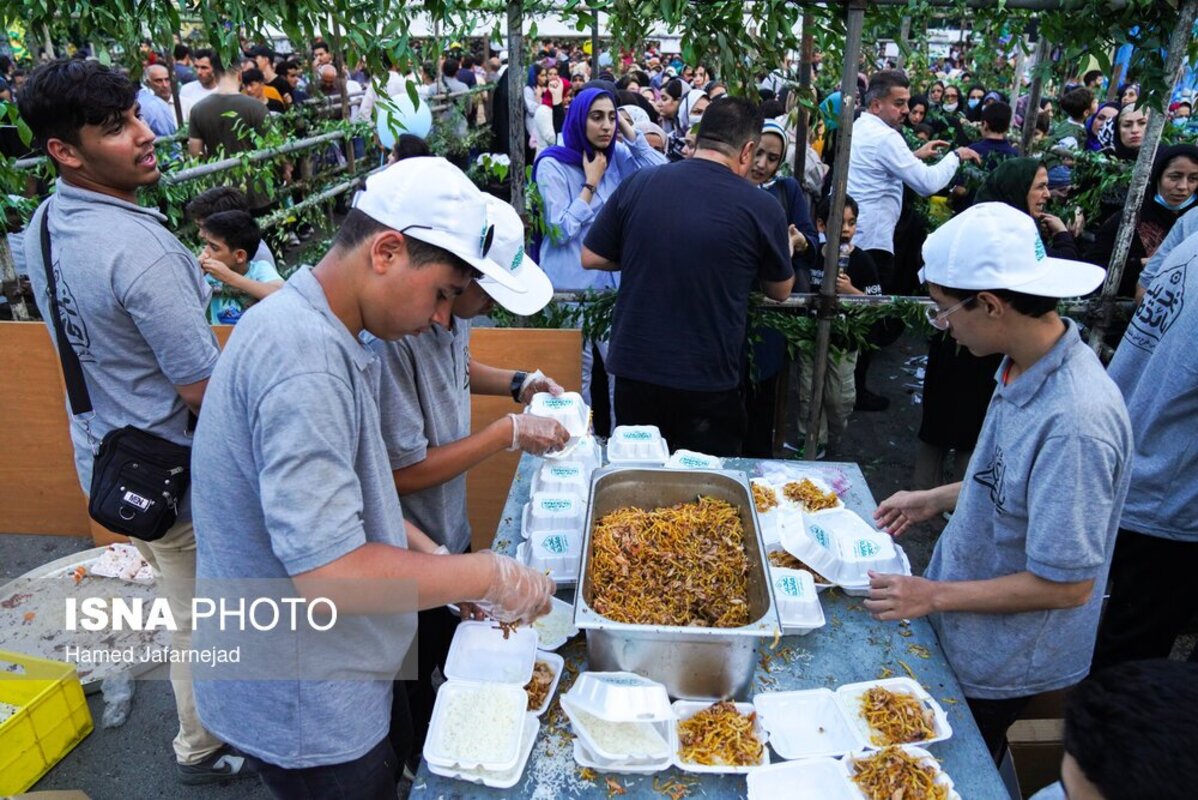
<point>1017,81</point>
<point>1178,41</point>
<point>595,45</point>
<point>11,281</point>
<point>840,179</point>
<point>903,43</point>
<point>517,136</point>
<point>1033,95</point>
<point>49,43</point>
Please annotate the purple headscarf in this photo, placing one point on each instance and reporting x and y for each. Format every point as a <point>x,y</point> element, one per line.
<point>575,145</point>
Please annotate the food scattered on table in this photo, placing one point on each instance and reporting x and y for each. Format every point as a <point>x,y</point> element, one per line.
<point>7,710</point>
<point>538,687</point>
<point>764,497</point>
<point>720,736</point>
<point>635,739</point>
<point>681,565</point>
<point>894,774</point>
<point>809,496</point>
<point>896,717</point>
<point>781,558</point>
<point>478,724</point>
<point>614,788</point>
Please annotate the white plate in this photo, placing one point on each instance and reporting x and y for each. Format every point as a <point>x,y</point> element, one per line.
<point>849,697</point>
<point>685,709</point>
<point>557,627</point>
<point>807,724</point>
<point>558,665</point>
<point>497,780</point>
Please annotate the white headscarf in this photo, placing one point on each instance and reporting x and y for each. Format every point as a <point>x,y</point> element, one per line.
<point>684,110</point>
<point>637,114</point>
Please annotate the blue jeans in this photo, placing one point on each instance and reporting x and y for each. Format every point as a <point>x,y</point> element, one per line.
<point>371,777</point>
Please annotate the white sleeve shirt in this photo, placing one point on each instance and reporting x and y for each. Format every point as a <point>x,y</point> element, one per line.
<point>879,164</point>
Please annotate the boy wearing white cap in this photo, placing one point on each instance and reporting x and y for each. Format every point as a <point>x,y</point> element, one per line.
<point>424,410</point>
<point>292,484</point>
<point>1014,587</point>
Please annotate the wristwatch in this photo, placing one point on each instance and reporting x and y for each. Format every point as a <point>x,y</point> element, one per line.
<point>589,187</point>
<point>517,384</point>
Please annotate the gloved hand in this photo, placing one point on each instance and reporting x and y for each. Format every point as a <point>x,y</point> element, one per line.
<point>517,593</point>
<point>537,435</point>
<point>538,382</point>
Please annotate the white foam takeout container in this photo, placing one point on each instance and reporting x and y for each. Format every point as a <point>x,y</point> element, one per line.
<point>778,548</point>
<point>497,779</point>
<point>585,758</point>
<point>558,665</point>
<point>685,709</point>
<point>637,446</point>
<point>825,778</point>
<point>621,698</point>
<point>557,627</point>
<point>822,484</point>
<point>480,653</point>
<point>771,522</point>
<point>857,548</point>
<point>546,512</point>
<point>437,750</point>
<point>558,553</point>
<point>798,601</point>
<point>849,698</point>
<point>567,408</point>
<point>585,450</point>
<point>689,459</point>
<point>808,724</point>
<point>563,477</point>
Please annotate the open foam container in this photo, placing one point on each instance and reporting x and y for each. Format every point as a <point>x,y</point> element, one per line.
<point>844,548</point>
<point>557,627</point>
<point>620,717</point>
<point>684,710</point>
<point>504,779</point>
<point>558,665</point>
<point>545,513</point>
<point>825,778</point>
<point>820,483</point>
<point>637,446</point>
<point>849,698</point>
<point>567,408</point>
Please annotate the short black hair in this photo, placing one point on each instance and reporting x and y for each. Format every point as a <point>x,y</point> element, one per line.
<point>409,145</point>
<point>771,109</point>
<point>1076,102</point>
<point>218,66</point>
<point>882,82</point>
<point>730,124</point>
<point>1044,122</point>
<point>261,50</point>
<point>637,99</point>
<point>824,209</point>
<point>214,201</point>
<point>467,61</point>
<point>360,226</point>
<point>1030,305</point>
<point>287,66</point>
<point>237,229</point>
<point>182,51</point>
<point>1091,76</point>
<point>997,117</point>
<point>674,88</point>
<point>1133,732</point>
<point>320,44</point>
<point>451,67</point>
<point>924,128</point>
<point>62,96</point>
<point>252,75</point>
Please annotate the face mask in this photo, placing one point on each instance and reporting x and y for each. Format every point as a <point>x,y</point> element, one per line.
<point>950,107</point>
<point>1189,202</point>
<point>973,102</point>
<point>696,119</point>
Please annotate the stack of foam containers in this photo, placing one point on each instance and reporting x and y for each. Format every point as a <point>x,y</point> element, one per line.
<point>637,446</point>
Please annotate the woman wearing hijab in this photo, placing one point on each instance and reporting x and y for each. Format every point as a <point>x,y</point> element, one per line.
<point>1129,93</point>
<point>1121,138</point>
<point>1096,121</point>
<point>690,111</point>
<point>671,99</point>
<point>575,179</point>
<point>1171,193</point>
<point>973,102</point>
<point>936,92</point>
<point>957,384</point>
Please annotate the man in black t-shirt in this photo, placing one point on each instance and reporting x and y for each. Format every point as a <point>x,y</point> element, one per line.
<point>678,328</point>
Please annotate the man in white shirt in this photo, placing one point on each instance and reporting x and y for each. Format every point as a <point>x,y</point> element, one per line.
<point>204,84</point>
<point>880,162</point>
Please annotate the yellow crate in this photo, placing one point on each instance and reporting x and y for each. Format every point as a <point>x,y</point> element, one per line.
<point>52,719</point>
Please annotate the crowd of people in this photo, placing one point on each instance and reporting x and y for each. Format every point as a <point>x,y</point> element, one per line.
<point>334,430</point>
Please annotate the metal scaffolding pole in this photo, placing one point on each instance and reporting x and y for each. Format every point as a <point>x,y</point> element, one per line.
<point>840,179</point>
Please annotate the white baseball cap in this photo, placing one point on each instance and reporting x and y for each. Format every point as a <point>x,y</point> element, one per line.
<point>996,246</point>
<point>534,287</point>
<point>433,201</point>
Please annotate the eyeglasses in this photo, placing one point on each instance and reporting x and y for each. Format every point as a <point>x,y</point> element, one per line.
<point>939,319</point>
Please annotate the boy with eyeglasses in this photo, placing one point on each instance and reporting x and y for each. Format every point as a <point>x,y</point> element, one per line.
<point>1014,587</point>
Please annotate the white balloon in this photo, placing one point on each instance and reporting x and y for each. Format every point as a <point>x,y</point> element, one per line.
<point>399,116</point>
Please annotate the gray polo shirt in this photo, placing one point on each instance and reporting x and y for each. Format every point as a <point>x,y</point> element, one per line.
<point>424,401</point>
<point>291,474</point>
<point>1156,368</point>
<point>133,303</point>
<point>1042,494</point>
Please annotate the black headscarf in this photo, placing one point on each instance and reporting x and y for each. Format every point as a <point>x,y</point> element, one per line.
<point>1010,182</point>
<point>1157,220</point>
<point>973,114</point>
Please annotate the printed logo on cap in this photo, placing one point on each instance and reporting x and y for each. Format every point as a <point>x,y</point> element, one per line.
<point>1040,254</point>
<point>518,260</point>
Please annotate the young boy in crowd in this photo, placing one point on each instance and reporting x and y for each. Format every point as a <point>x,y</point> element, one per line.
<point>225,198</point>
<point>237,280</point>
<point>858,276</point>
<point>1014,588</point>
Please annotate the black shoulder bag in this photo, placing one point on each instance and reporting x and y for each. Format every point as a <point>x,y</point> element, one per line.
<point>138,479</point>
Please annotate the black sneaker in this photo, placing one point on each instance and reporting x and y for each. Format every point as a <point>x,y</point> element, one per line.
<point>219,767</point>
<point>868,401</point>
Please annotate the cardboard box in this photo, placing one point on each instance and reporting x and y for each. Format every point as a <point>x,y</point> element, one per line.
<point>1036,747</point>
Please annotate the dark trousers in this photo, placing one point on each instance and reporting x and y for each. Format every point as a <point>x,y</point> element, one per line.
<point>371,777</point>
<point>600,400</point>
<point>707,422</point>
<point>883,332</point>
<point>434,633</point>
<point>993,718</point>
<point>1152,599</point>
<point>760,398</point>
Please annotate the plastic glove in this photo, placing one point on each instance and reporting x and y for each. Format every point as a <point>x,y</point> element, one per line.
<point>537,435</point>
<point>538,382</point>
<point>517,593</point>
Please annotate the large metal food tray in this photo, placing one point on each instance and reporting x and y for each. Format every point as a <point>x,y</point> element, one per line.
<point>694,663</point>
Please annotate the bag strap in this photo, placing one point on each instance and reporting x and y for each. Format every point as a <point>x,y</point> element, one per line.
<point>72,370</point>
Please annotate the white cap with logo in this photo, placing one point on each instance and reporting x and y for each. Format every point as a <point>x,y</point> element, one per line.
<point>997,246</point>
<point>433,201</point>
<point>534,289</point>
